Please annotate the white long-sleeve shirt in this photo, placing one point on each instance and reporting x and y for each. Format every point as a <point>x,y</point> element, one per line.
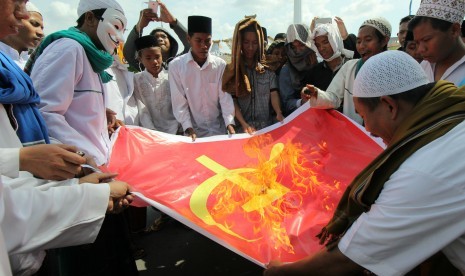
<point>154,101</point>
<point>19,58</point>
<point>81,208</point>
<point>72,98</point>
<point>340,89</point>
<point>418,213</point>
<point>196,94</point>
<point>119,95</point>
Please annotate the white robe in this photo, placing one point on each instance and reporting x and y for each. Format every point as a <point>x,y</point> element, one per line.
<point>19,58</point>
<point>153,98</point>
<point>120,93</point>
<point>72,98</point>
<point>23,208</point>
<point>340,89</point>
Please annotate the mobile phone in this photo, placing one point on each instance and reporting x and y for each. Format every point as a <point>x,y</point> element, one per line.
<point>153,5</point>
<point>323,20</point>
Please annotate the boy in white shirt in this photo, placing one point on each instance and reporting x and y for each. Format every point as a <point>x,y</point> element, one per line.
<point>152,89</point>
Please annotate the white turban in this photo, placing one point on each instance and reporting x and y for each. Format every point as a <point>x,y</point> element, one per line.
<point>89,5</point>
<point>32,8</point>
<point>388,73</point>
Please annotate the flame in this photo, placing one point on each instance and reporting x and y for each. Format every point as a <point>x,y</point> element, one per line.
<point>119,52</point>
<point>263,199</point>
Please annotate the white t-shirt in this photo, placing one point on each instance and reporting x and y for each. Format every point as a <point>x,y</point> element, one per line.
<point>419,212</point>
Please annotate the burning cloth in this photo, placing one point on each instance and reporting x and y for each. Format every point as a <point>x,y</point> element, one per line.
<point>265,196</point>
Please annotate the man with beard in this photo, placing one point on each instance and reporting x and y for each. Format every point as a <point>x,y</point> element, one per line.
<point>17,46</point>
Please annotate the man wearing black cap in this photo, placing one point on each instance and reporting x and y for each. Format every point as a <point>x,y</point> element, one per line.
<point>199,103</point>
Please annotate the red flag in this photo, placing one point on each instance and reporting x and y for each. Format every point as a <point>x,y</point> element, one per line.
<point>266,196</point>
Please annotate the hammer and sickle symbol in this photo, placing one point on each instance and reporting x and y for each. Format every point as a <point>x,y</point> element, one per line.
<point>198,201</point>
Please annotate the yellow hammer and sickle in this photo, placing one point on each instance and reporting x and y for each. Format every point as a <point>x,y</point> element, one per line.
<point>198,201</point>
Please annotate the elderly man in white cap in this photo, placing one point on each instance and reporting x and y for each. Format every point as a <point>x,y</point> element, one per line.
<point>407,205</point>
<point>437,32</point>
<point>17,46</point>
<point>372,38</point>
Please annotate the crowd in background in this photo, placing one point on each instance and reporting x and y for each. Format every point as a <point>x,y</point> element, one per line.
<point>64,95</point>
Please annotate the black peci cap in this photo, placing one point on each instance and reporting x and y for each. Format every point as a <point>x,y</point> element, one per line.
<point>199,24</point>
<point>146,42</point>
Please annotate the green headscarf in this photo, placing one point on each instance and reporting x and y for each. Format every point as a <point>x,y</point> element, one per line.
<point>99,59</point>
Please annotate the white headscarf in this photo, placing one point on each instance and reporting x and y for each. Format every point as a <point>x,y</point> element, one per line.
<point>334,38</point>
<point>89,5</point>
<point>298,32</point>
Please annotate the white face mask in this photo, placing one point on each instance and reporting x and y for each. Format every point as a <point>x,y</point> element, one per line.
<point>111,28</point>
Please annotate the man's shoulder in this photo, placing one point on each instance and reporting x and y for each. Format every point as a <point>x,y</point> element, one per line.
<point>350,62</point>
<point>178,60</point>
<point>65,44</point>
<point>217,60</point>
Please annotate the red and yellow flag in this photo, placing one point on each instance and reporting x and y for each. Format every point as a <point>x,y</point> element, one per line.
<point>264,196</point>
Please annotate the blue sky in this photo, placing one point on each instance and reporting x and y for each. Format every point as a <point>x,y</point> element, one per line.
<point>275,15</point>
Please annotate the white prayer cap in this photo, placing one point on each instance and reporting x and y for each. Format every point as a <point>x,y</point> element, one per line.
<point>89,5</point>
<point>32,8</point>
<point>388,73</point>
<point>448,10</point>
<point>379,23</point>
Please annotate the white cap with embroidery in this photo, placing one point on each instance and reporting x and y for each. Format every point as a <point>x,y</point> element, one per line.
<point>388,73</point>
<point>448,10</point>
<point>379,23</point>
<point>89,5</point>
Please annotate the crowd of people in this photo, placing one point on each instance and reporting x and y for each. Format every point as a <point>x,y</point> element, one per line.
<point>402,213</point>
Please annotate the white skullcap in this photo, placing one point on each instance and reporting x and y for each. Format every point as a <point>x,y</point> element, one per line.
<point>32,8</point>
<point>379,23</point>
<point>89,5</point>
<point>388,73</point>
<point>448,10</point>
